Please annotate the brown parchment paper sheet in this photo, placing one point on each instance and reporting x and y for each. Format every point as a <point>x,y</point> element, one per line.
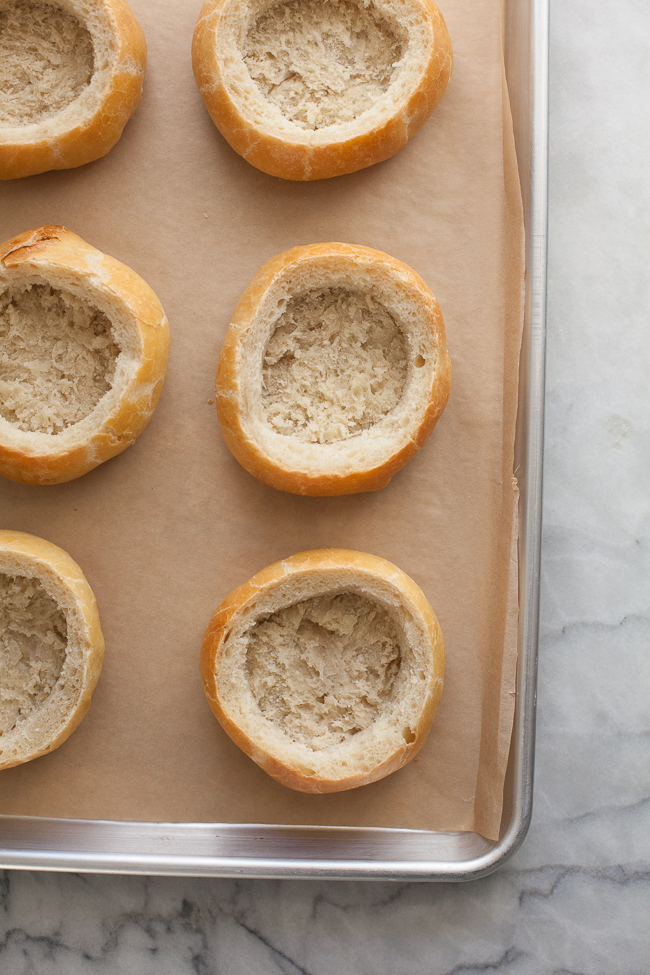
<point>168,528</point>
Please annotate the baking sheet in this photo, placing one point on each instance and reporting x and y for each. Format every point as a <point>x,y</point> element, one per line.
<point>164,531</point>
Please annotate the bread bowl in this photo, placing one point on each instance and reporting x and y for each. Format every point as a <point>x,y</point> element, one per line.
<point>51,647</point>
<point>309,89</point>
<point>83,353</point>
<point>334,370</point>
<point>71,74</point>
<point>326,669</point>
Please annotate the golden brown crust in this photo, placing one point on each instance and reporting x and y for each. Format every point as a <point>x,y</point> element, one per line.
<point>229,401</point>
<point>98,133</point>
<point>55,249</point>
<point>338,562</point>
<point>36,554</point>
<point>298,160</point>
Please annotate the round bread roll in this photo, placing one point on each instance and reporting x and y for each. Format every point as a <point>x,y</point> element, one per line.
<point>333,372</point>
<point>71,75</point>
<point>83,353</point>
<point>326,669</point>
<point>51,647</point>
<point>308,89</point>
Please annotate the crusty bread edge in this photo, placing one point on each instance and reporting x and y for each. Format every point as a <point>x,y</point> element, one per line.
<point>296,161</point>
<point>227,388</point>
<point>37,551</point>
<point>96,135</point>
<point>335,560</point>
<point>54,247</point>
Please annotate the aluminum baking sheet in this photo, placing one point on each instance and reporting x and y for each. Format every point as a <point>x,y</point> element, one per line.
<point>342,852</point>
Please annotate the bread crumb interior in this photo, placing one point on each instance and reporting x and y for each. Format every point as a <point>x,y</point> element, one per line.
<point>57,358</point>
<point>46,60</point>
<point>33,641</point>
<point>323,669</point>
<point>322,62</point>
<point>334,366</point>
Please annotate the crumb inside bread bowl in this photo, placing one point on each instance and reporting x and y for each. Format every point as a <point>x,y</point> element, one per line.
<point>334,370</point>
<point>309,89</point>
<point>83,354</point>
<point>322,339</point>
<point>33,636</point>
<point>322,64</point>
<point>47,60</point>
<point>58,358</point>
<point>326,669</point>
<point>51,647</point>
<point>70,78</point>
<point>322,669</point>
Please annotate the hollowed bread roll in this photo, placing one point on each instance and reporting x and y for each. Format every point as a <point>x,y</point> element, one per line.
<point>83,354</point>
<point>71,75</point>
<point>333,372</point>
<point>326,669</point>
<point>308,89</point>
<point>51,647</point>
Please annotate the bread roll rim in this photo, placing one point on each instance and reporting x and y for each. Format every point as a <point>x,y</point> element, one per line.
<point>344,466</point>
<point>294,764</point>
<point>100,81</point>
<point>64,140</point>
<point>55,255</point>
<point>292,152</point>
<point>22,554</point>
<point>392,100</point>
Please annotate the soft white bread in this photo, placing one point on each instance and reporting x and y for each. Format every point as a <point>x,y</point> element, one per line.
<point>83,353</point>
<point>333,372</point>
<point>326,669</point>
<point>51,647</point>
<point>308,89</point>
<point>71,74</point>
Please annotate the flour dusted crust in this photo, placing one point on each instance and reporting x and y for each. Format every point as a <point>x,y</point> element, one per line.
<point>364,441</point>
<point>86,95</point>
<point>355,721</point>
<point>62,668</point>
<point>131,334</point>
<point>305,104</point>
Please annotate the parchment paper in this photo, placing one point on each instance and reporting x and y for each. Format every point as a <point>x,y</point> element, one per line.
<point>168,528</point>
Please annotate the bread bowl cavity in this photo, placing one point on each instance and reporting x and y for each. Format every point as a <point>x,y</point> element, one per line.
<point>71,74</point>
<point>322,64</point>
<point>33,636</point>
<point>51,647</point>
<point>333,372</point>
<point>321,669</point>
<point>309,89</point>
<point>83,354</point>
<point>326,669</point>
<point>58,358</point>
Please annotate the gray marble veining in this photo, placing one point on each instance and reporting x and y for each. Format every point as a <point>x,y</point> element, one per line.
<point>553,919</point>
<point>575,900</point>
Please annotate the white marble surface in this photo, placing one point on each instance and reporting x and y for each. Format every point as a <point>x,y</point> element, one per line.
<point>576,899</point>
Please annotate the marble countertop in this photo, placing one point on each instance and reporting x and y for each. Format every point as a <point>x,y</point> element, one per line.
<point>575,900</point>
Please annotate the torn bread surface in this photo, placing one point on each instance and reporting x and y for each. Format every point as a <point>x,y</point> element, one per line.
<point>46,60</point>
<point>336,364</point>
<point>33,641</point>
<point>322,669</point>
<point>57,358</point>
<point>323,63</point>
